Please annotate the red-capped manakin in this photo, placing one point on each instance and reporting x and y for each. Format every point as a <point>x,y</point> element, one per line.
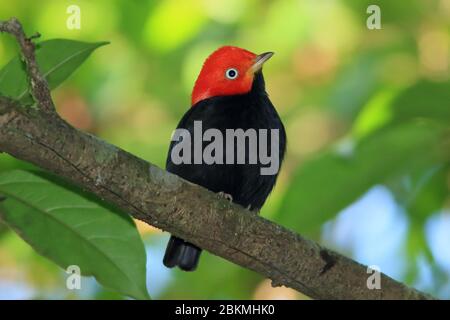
<point>229,94</point>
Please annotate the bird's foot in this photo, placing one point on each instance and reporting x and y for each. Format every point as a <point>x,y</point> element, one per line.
<point>226,196</point>
<point>252,211</point>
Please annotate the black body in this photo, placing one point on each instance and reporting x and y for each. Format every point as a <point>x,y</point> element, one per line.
<point>243,182</point>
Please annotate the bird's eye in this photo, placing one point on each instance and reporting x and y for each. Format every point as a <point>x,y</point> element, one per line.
<point>231,74</point>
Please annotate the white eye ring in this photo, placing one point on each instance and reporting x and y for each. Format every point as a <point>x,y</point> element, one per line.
<point>231,74</point>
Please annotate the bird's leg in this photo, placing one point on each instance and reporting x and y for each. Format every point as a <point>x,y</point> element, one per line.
<point>226,196</point>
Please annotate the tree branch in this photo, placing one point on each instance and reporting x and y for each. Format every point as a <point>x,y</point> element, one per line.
<point>168,202</point>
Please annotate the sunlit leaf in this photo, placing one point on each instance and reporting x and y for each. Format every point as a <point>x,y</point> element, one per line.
<point>71,229</point>
<point>375,114</point>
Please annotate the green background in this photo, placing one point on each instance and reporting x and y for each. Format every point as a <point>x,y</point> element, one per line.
<point>367,114</point>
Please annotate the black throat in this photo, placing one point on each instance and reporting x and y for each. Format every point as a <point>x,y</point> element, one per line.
<point>257,92</point>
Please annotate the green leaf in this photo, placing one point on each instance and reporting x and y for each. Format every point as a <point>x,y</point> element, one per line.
<point>325,185</point>
<point>425,99</point>
<point>429,194</point>
<point>57,60</point>
<point>71,229</point>
<point>375,114</point>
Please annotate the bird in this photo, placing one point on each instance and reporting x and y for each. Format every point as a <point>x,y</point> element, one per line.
<point>229,93</point>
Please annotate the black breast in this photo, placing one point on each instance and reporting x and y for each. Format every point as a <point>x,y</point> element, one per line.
<point>243,182</point>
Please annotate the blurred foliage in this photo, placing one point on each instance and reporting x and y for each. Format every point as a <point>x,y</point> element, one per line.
<point>350,173</point>
<point>361,108</point>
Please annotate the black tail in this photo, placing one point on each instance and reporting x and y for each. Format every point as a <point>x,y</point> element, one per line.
<point>183,254</point>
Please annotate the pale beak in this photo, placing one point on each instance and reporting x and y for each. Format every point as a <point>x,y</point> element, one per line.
<point>259,61</point>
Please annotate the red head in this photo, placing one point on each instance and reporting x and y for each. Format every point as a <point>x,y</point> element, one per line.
<point>227,71</point>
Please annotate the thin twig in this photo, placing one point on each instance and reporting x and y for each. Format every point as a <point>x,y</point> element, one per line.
<point>38,84</point>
